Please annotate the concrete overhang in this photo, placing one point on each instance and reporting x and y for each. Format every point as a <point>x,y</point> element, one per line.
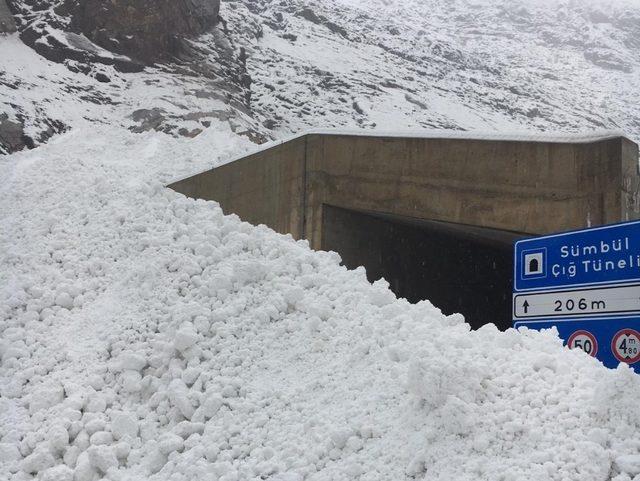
<point>525,183</point>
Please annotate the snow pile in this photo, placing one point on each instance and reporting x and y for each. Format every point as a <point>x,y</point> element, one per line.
<point>144,335</point>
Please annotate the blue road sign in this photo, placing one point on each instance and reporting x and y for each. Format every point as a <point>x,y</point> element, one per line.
<point>586,283</point>
<point>602,255</point>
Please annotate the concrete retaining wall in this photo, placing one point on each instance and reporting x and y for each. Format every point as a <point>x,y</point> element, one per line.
<point>533,187</point>
<point>263,188</point>
<point>529,187</point>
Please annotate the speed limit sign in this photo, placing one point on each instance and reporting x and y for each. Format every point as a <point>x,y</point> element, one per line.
<point>626,346</point>
<point>584,340</point>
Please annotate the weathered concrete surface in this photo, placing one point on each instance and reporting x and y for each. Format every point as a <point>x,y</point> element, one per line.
<point>263,188</point>
<point>529,187</point>
<point>7,23</point>
<point>533,187</point>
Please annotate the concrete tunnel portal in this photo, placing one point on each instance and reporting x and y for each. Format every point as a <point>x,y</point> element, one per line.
<point>435,215</point>
<point>458,268</point>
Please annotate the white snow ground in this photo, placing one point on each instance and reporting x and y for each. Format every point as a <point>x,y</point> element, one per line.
<point>144,335</point>
<point>147,336</point>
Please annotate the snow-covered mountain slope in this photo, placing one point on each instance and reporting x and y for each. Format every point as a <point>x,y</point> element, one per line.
<point>45,98</point>
<point>551,65</point>
<point>273,68</point>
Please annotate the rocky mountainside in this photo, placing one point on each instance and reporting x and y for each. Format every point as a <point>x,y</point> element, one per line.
<point>143,31</point>
<point>272,68</point>
<point>7,24</point>
<point>560,65</point>
<point>131,63</point>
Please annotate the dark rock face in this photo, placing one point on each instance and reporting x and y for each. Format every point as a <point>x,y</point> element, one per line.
<point>148,119</point>
<point>12,136</point>
<point>139,32</point>
<point>7,24</point>
<point>147,30</point>
<point>313,17</point>
<point>44,29</point>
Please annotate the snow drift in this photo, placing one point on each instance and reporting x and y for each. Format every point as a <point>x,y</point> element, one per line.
<point>148,336</point>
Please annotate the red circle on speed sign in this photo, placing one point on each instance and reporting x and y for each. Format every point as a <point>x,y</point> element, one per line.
<point>626,346</point>
<point>584,340</point>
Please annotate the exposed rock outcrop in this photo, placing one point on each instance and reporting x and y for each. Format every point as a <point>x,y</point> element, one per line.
<point>49,33</point>
<point>12,136</point>
<point>147,30</point>
<point>313,17</point>
<point>186,40</point>
<point>127,34</point>
<point>7,24</point>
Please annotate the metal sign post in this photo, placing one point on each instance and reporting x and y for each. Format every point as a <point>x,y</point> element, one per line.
<point>586,283</point>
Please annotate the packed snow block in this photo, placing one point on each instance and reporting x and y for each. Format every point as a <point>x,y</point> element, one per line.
<point>7,23</point>
<point>264,188</point>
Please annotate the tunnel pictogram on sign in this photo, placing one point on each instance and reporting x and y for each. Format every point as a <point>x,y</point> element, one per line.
<point>534,264</point>
<point>626,346</point>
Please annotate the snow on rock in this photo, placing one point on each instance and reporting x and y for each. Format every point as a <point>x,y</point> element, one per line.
<point>282,67</point>
<point>467,65</point>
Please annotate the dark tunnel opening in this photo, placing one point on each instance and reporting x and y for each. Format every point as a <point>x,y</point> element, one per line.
<point>458,268</point>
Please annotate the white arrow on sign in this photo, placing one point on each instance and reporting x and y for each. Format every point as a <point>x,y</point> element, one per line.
<point>591,302</point>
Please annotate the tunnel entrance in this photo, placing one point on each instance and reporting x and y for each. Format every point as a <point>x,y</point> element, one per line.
<point>458,268</point>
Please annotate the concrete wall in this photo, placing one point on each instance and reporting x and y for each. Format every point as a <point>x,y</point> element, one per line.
<point>528,187</point>
<point>263,188</point>
<point>7,24</point>
<point>533,187</point>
